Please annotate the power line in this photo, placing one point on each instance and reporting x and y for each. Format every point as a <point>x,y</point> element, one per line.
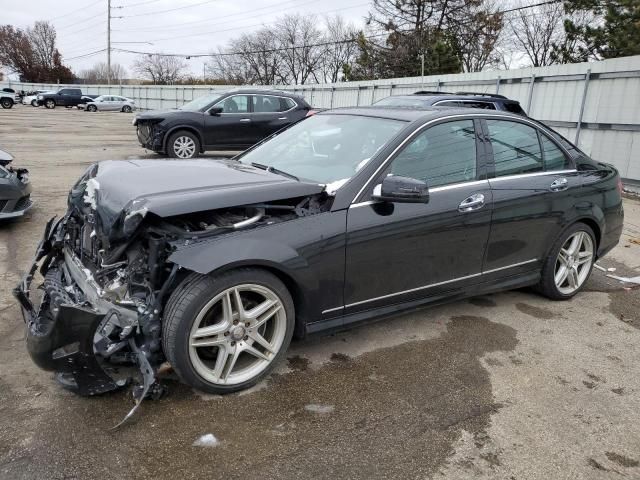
<point>78,22</point>
<point>90,54</point>
<point>168,10</point>
<point>173,26</point>
<point>137,4</point>
<point>209,32</point>
<point>273,50</point>
<point>74,12</point>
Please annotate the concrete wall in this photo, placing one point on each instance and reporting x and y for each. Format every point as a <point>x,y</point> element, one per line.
<point>596,104</point>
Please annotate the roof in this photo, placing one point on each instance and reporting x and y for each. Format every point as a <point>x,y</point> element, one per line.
<point>272,91</point>
<point>433,97</point>
<point>411,114</point>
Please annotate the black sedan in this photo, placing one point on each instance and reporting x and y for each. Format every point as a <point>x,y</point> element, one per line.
<point>347,216</point>
<point>15,189</point>
<point>225,120</point>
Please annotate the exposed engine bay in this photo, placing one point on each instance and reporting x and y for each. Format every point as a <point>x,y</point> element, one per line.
<point>106,280</point>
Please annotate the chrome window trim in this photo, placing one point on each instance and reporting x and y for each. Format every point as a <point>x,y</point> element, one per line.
<point>433,190</point>
<point>514,118</point>
<point>382,297</point>
<point>534,174</point>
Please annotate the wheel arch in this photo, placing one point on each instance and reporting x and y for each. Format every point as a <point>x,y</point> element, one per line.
<point>187,128</point>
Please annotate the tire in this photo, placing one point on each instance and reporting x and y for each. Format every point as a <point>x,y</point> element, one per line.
<point>193,305</point>
<point>581,262</point>
<point>6,103</point>
<point>126,109</point>
<point>49,103</point>
<point>183,144</point>
<point>92,108</point>
<point>34,103</point>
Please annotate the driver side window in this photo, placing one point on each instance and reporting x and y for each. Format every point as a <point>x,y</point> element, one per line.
<point>235,104</point>
<point>441,155</point>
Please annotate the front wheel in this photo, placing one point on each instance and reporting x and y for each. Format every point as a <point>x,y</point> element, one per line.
<point>50,104</point>
<point>92,108</point>
<point>34,103</point>
<point>183,144</point>
<point>569,264</point>
<point>226,333</point>
<point>6,103</point>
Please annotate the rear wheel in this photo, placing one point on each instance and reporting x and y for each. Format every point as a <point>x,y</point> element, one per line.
<point>569,264</point>
<point>50,103</point>
<point>183,144</point>
<point>226,333</point>
<point>126,109</point>
<point>6,102</point>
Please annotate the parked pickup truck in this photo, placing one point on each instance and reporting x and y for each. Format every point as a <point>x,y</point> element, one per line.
<point>65,97</point>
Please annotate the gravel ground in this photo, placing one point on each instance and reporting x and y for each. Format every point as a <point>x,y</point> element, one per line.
<point>507,386</point>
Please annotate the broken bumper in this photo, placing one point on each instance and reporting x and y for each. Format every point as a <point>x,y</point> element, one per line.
<point>150,136</point>
<point>60,337</point>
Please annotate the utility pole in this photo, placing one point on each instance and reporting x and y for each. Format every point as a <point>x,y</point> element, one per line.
<point>108,42</point>
<point>422,70</point>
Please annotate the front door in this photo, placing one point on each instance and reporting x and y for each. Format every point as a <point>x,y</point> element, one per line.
<point>232,128</point>
<point>399,252</point>
<point>533,184</point>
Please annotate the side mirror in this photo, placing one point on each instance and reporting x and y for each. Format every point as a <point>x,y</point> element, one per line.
<point>215,110</point>
<point>401,190</point>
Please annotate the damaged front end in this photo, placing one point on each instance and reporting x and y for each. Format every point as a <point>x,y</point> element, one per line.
<point>96,319</point>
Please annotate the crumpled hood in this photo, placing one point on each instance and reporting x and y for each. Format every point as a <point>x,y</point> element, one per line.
<point>157,115</point>
<point>165,188</point>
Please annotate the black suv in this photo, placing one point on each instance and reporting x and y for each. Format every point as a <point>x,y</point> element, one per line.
<point>228,120</point>
<point>487,101</point>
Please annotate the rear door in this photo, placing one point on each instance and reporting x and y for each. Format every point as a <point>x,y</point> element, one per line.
<point>232,128</point>
<point>534,185</point>
<point>271,113</point>
<point>398,252</point>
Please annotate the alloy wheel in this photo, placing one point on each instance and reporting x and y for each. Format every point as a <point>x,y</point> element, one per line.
<point>126,109</point>
<point>574,262</point>
<point>237,334</point>
<point>184,147</point>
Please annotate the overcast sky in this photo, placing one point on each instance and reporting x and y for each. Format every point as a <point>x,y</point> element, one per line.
<point>191,27</point>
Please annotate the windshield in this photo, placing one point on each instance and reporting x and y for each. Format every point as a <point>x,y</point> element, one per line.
<point>325,148</point>
<point>400,102</point>
<point>199,103</point>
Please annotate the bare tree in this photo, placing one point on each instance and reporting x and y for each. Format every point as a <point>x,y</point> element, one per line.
<point>478,36</point>
<point>98,73</point>
<point>536,30</point>
<point>160,69</point>
<point>335,56</point>
<point>298,37</point>
<point>32,53</point>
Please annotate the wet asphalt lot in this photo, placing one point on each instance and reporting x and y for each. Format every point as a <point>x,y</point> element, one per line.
<point>508,386</point>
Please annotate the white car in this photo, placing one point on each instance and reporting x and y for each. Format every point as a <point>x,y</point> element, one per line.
<point>33,99</point>
<point>110,102</point>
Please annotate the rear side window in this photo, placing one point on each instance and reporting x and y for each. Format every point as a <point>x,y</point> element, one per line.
<point>554,158</point>
<point>269,104</point>
<point>516,149</point>
<point>441,155</point>
<point>513,107</point>
<point>474,104</point>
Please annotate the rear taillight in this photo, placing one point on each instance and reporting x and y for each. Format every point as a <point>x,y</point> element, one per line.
<point>619,185</point>
<point>310,113</point>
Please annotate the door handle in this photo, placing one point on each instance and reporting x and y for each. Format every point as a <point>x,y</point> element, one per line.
<point>245,120</point>
<point>282,118</point>
<point>559,184</point>
<point>471,203</point>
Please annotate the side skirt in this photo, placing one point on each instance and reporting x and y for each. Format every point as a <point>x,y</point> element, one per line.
<point>368,316</point>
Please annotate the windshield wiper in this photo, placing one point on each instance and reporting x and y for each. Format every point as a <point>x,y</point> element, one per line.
<point>274,170</point>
